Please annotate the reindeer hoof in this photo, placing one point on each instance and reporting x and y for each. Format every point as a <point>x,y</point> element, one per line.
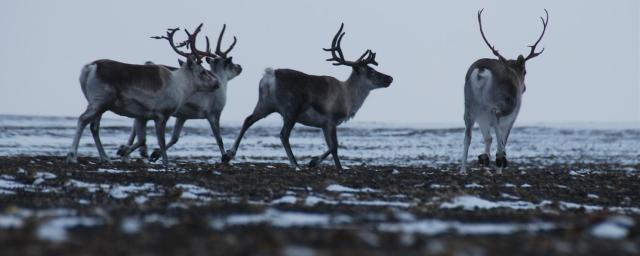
<point>155,155</point>
<point>71,158</point>
<point>122,150</point>
<point>143,152</point>
<point>315,161</point>
<point>501,161</point>
<point>105,160</point>
<point>226,158</point>
<point>484,160</point>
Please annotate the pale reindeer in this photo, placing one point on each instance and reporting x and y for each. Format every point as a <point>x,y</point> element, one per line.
<point>202,105</point>
<point>493,96</point>
<point>316,101</point>
<point>143,92</point>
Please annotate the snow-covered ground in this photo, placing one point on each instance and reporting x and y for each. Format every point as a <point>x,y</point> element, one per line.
<point>370,143</point>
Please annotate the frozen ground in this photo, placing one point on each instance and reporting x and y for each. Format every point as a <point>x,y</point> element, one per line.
<point>570,191</point>
<point>370,143</point>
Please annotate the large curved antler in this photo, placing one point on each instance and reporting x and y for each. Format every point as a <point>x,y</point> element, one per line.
<point>534,54</point>
<point>368,57</point>
<point>218,51</point>
<point>493,49</point>
<point>169,37</point>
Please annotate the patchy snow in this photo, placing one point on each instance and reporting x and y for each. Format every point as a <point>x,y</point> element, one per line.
<point>473,203</point>
<point>56,230</point>
<point>287,199</point>
<point>616,227</point>
<point>112,171</point>
<point>473,185</point>
<point>313,200</point>
<point>340,188</point>
<point>123,191</point>
<point>190,191</point>
<point>411,145</point>
<point>274,218</point>
<point>435,227</point>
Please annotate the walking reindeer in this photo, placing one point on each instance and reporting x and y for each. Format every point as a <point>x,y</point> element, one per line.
<point>144,92</point>
<point>202,105</point>
<point>493,96</point>
<point>317,101</point>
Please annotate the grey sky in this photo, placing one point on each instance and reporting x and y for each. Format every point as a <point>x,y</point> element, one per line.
<point>589,71</point>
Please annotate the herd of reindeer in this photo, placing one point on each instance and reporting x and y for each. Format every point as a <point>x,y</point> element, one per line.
<point>492,97</point>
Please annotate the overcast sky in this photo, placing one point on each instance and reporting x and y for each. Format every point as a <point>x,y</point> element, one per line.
<point>589,71</point>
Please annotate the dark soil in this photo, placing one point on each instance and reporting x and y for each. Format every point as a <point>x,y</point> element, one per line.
<point>249,188</point>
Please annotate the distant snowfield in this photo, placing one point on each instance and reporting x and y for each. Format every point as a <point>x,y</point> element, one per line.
<point>360,142</point>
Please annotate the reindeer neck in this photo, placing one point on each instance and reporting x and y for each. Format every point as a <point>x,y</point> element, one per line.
<point>357,91</point>
<point>181,87</point>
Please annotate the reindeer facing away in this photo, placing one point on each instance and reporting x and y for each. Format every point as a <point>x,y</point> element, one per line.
<point>316,101</point>
<point>202,105</point>
<point>139,91</point>
<point>493,96</point>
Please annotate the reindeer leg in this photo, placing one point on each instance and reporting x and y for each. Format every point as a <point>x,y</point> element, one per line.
<point>177,129</point>
<point>501,155</point>
<point>95,132</point>
<point>258,113</point>
<point>161,123</point>
<point>333,130</point>
<point>123,148</point>
<point>288,125</point>
<point>468,122</point>
<point>214,122</point>
<point>316,160</point>
<point>140,129</point>
<point>89,115</point>
<point>484,159</point>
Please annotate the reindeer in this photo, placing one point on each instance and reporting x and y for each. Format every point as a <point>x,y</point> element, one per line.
<point>202,105</point>
<point>316,101</point>
<point>493,96</point>
<point>142,92</point>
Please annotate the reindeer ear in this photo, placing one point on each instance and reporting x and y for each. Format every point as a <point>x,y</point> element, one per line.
<point>230,59</point>
<point>180,62</point>
<point>520,60</point>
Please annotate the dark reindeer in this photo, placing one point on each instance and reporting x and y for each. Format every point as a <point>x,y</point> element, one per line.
<point>143,92</point>
<point>493,96</point>
<point>202,105</point>
<point>316,101</point>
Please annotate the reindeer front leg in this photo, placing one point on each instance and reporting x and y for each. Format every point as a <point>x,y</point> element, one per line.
<point>289,123</point>
<point>177,129</point>
<point>214,122</point>
<point>161,123</point>
<point>316,160</point>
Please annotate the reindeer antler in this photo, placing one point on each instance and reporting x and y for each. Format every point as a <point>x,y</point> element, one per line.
<point>218,51</point>
<point>191,43</point>
<point>169,37</point>
<point>368,57</point>
<point>534,54</point>
<point>493,49</point>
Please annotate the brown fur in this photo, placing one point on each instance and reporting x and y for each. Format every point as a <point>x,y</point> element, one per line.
<point>122,75</point>
<point>308,90</point>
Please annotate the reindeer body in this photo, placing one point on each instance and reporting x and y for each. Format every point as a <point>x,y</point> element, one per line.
<point>142,92</point>
<point>492,97</point>
<point>316,101</point>
<point>202,105</point>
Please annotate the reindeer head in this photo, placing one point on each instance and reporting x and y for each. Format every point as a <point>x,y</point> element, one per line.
<point>518,65</point>
<point>372,78</point>
<point>220,63</point>
<point>202,79</point>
